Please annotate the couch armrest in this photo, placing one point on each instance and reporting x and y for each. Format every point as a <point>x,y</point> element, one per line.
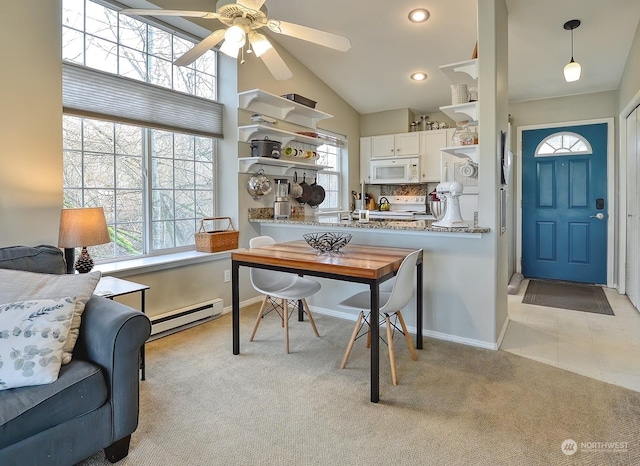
<point>110,336</point>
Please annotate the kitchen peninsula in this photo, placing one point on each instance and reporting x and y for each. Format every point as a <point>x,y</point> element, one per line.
<point>455,304</point>
<point>342,221</point>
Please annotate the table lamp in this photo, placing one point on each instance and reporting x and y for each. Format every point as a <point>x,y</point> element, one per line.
<point>81,228</point>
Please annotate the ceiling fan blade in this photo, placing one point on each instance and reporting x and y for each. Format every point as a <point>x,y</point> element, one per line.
<point>153,12</point>
<point>252,4</point>
<point>276,65</point>
<point>326,39</point>
<point>196,52</point>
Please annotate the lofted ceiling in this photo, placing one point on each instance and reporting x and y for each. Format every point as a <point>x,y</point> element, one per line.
<point>386,48</point>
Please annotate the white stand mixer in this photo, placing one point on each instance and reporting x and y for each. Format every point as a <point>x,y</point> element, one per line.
<point>451,191</point>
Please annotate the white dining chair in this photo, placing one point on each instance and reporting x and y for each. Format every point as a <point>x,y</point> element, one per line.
<point>279,288</point>
<point>391,303</point>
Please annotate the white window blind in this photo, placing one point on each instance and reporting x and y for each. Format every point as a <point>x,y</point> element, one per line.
<point>96,94</point>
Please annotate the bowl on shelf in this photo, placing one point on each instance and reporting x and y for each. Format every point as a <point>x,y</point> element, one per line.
<point>327,242</point>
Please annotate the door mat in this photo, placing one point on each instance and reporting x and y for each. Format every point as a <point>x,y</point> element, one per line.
<point>567,295</point>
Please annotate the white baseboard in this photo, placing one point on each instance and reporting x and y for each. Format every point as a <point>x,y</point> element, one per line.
<point>186,315</point>
<point>427,333</point>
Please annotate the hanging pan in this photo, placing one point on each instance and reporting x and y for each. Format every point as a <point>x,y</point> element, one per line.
<point>306,190</point>
<point>317,194</point>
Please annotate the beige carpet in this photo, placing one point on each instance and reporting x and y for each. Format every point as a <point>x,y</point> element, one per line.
<point>458,405</point>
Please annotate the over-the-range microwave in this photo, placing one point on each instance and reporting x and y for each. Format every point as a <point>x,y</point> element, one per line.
<point>397,170</point>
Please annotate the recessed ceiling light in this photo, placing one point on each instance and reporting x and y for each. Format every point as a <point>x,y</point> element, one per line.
<point>419,15</point>
<point>419,76</point>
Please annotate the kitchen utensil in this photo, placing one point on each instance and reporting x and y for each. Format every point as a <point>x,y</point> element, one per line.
<point>296,189</point>
<point>317,195</point>
<point>259,185</point>
<point>384,204</point>
<point>265,148</point>
<point>306,190</point>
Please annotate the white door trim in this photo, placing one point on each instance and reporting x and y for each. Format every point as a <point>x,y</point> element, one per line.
<point>612,199</point>
<point>622,183</point>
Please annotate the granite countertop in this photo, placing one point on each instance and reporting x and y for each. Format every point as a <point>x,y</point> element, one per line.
<point>265,215</point>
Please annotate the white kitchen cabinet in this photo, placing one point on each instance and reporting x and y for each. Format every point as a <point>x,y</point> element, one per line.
<point>432,142</point>
<point>365,159</point>
<point>395,145</point>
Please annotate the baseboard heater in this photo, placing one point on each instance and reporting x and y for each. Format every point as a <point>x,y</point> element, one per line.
<point>186,315</point>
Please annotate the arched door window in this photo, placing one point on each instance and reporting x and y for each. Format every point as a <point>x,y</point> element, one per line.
<point>563,143</point>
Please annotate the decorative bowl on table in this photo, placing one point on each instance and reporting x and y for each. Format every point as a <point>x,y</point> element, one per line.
<point>327,242</point>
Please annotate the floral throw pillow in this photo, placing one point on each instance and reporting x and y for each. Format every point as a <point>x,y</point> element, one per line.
<point>17,285</point>
<point>32,338</point>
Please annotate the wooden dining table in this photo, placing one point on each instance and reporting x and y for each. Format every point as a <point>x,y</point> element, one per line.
<point>370,265</point>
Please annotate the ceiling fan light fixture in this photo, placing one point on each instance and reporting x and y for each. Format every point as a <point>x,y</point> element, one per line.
<point>259,43</point>
<point>419,15</point>
<point>230,49</point>
<point>419,76</point>
<point>572,70</point>
<point>235,35</point>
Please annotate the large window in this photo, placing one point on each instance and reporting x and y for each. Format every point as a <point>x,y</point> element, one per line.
<point>154,177</point>
<point>329,179</point>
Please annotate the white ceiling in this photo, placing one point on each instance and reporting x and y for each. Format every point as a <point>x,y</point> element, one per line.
<point>386,48</point>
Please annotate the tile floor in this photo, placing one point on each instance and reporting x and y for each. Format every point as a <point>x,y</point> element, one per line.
<point>603,347</point>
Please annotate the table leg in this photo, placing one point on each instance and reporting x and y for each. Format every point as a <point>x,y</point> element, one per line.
<point>235,303</point>
<point>142,352</point>
<point>300,311</point>
<point>419,306</point>
<point>374,324</point>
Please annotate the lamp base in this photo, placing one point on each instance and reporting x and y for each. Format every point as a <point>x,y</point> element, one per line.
<point>84,263</point>
<point>69,258</point>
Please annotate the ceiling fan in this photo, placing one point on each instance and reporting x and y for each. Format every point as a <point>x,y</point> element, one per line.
<point>244,18</point>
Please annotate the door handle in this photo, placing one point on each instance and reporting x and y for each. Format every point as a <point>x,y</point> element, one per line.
<point>599,216</point>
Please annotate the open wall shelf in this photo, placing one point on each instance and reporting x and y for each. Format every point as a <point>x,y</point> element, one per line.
<point>249,132</point>
<point>459,112</point>
<point>466,152</point>
<point>463,72</point>
<point>260,101</point>
<point>276,166</point>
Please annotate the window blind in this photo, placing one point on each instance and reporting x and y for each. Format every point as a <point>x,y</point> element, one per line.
<point>92,93</point>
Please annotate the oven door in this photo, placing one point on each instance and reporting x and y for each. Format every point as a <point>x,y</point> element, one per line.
<point>395,171</point>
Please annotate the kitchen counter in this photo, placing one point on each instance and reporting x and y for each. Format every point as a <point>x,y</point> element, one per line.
<point>422,226</point>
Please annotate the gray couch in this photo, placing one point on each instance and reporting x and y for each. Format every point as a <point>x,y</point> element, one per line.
<point>94,403</point>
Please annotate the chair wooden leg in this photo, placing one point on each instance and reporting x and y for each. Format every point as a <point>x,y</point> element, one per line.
<point>265,303</point>
<point>407,337</point>
<point>369,335</point>
<point>392,355</point>
<point>352,340</point>
<point>313,324</point>
<point>285,315</point>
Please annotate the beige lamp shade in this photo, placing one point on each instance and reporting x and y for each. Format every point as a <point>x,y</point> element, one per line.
<point>82,227</point>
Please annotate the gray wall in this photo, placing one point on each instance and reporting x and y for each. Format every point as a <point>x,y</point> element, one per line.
<point>630,82</point>
<point>30,123</point>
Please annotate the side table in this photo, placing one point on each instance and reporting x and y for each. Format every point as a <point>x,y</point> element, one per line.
<point>110,287</point>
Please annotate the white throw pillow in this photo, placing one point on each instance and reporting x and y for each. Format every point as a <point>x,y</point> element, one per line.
<point>17,285</point>
<point>32,338</point>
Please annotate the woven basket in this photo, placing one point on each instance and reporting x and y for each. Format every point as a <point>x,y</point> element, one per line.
<point>216,240</point>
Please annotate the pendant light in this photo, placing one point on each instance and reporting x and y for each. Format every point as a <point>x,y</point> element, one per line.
<point>572,69</point>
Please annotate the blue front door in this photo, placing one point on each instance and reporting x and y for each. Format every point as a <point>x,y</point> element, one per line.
<point>564,206</point>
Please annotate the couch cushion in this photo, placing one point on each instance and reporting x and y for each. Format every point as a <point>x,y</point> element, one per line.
<point>80,389</point>
<point>17,285</point>
<point>39,259</point>
<point>32,335</point>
